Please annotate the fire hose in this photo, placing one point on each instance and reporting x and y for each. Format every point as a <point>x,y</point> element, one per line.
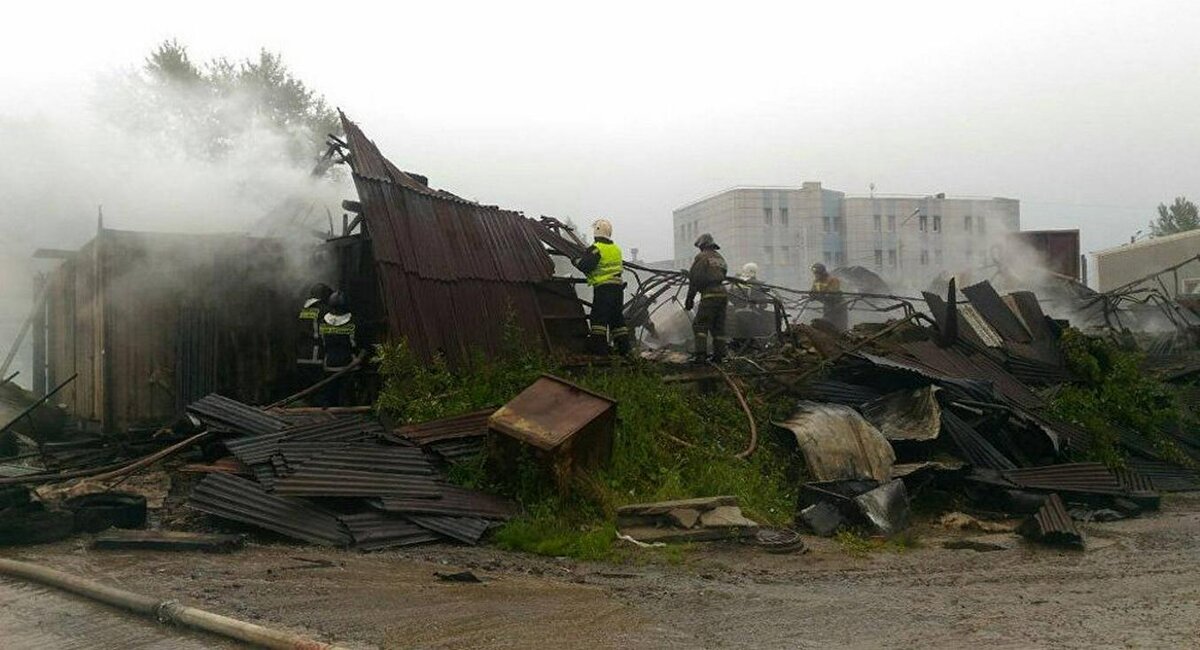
<point>163,611</point>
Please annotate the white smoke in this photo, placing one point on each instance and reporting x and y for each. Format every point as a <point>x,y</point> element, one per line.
<point>63,168</point>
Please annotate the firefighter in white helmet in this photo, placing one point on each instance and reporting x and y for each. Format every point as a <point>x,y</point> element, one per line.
<point>603,265</point>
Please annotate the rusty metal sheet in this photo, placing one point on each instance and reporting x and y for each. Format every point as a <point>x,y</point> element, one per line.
<point>451,271</point>
<point>230,497</point>
<point>955,363</point>
<point>549,412</point>
<point>460,426</point>
<point>374,457</point>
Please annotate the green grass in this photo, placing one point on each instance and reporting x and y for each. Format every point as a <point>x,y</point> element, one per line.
<point>856,544</point>
<point>646,465</point>
<point>1113,392</point>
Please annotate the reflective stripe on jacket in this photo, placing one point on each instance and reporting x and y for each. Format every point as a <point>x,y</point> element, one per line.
<point>610,267</point>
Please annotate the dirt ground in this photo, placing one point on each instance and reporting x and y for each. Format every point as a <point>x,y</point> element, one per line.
<point>1137,585</point>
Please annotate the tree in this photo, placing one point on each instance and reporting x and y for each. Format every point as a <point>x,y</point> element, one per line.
<point>207,110</point>
<point>1180,216</point>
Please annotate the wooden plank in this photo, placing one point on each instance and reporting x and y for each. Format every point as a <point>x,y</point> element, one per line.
<point>168,540</point>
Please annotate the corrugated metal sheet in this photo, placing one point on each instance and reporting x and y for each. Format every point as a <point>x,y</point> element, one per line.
<point>462,426</point>
<point>454,501</point>
<point>954,363</point>
<point>451,272</point>
<point>838,392</point>
<point>230,497</point>
<point>973,446</point>
<point>387,459</point>
<point>230,415</point>
<point>991,307</point>
<point>468,530</point>
<point>1082,478</point>
<point>316,478</point>
<point>1166,477</point>
<point>984,332</point>
<point>458,451</point>
<point>374,530</point>
<point>1052,524</point>
<point>259,449</point>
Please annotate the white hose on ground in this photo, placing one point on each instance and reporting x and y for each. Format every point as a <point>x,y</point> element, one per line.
<point>164,611</point>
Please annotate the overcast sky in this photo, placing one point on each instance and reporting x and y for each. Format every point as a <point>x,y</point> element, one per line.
<point>1086,112</point>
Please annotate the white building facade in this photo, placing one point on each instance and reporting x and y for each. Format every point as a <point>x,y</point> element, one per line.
<point>787,229</point>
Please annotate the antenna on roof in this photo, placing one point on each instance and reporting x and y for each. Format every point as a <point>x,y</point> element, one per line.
<point>872,190</point>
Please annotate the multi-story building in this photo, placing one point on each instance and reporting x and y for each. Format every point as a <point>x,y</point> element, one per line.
<point>787,229</point>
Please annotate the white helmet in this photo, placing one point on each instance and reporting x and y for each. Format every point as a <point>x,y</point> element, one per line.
<point>749,271</point>
<point>601,228</point>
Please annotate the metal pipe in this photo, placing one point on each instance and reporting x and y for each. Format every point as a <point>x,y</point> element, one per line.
<point>163,611</point>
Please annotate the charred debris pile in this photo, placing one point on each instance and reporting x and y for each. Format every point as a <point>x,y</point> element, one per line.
<point>959,406</point>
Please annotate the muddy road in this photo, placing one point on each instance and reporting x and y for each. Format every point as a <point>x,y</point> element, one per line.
<point>1137,586</point>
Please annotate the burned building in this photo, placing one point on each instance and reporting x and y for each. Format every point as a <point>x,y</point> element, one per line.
<point>443,273</point>
<point>148,322</point>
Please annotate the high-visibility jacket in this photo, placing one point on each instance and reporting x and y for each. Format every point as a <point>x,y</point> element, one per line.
<point>609,267</point>
<point>308,339</point>
<point>338,334</point>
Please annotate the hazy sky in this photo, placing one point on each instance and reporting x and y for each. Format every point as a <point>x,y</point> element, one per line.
<point>1086,112</point>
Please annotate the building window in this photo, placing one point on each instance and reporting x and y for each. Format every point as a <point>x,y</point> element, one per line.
<point>937,223</point>
<point>839,258</point>
<point>891,257</point>
<point>783,216</point>
<point>891,223</point>
<point>981,225</point>
<point>879,258</point>
<point>878,223</point>
<point>924,223</point>
<point>924,256</point>
<point>938,257</point>
<point>767,216</point>
<point>967,223</point>
<point>828,224</point>
<point>828,257</point>
<point>768,255</point>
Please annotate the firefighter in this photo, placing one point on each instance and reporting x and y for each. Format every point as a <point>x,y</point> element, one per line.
<point>749,302</point>
<point>339,339</point>
<point>707,278</point>
<point>309,354</point>
<point>828,290</point>
<point>603,266</point>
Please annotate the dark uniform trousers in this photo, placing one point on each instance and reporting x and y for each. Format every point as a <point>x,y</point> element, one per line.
<point>608,301</point>
<point>710,322</point>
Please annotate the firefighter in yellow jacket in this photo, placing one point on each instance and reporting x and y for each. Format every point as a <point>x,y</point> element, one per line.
<point>827,289</point>
<point>603,265</point>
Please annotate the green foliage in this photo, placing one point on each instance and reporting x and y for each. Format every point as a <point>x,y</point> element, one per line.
<point>1180,216</point>
<point>854,542</point>
<point>649,461</point>
<point>206,109</point>
<point>1114,394</point>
